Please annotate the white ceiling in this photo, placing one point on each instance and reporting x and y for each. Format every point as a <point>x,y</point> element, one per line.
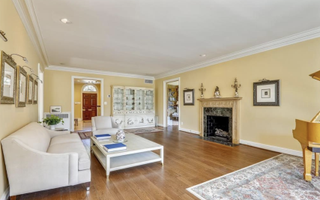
<point>149,37</point>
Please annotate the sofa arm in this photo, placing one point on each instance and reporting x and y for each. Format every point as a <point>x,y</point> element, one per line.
<point>30,170</point>
<point>56,133</point>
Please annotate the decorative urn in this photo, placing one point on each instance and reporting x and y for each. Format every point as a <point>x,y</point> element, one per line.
<point>120,135</point>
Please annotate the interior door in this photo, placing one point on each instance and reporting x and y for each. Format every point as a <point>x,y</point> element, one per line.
<point>89,106</point>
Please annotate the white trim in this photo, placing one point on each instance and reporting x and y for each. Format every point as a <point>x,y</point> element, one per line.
<point>272,148</point>
<point>72,96</point>
<point>5,194</point>
<point>165,101</point>
<point>189,131</point>
<point>160,125</point>
<point>40,94</point>
<point>27,17</point>
<point>100,72</point>
<point>195,194</point>
<point>285,41</point>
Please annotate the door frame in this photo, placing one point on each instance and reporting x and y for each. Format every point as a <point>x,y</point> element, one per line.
<point>72,96</point>
<point>165,101</point>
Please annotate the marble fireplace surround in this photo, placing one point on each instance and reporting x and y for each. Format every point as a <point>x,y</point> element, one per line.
<point>223,102</point>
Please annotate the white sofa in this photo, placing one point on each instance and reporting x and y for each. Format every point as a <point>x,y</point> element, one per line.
<point>39,159</point>
<point>104,125</point>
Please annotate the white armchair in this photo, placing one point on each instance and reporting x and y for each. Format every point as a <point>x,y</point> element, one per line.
<point>103,125</point>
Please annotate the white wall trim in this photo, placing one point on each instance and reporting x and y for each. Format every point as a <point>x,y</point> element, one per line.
<point>5,194</point>
<point>160,125</point>
<point>272,148</point>
<point>165,101</point>
<point>72,96</point>
<point>100,72</point>
<point>189,131</point>
<point>27,19</point>
<point>285,41</point>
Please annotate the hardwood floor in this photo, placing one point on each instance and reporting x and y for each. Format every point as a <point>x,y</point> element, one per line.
<point>188,161</point>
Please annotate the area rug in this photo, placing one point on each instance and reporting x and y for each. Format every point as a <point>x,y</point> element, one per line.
<point>85,134</point>
<point>144,130</point>
<point>280,177</point>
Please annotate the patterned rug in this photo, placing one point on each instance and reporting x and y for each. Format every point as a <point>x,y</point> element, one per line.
<point>280,177</point>
<point>85,134</point>
<point>144,130</point>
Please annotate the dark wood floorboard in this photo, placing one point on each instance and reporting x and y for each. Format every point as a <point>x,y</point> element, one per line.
<point>188,162</point>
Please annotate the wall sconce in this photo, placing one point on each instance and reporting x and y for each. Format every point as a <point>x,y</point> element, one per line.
<point>37,77</point>
<point>24,66</point>
<point>2,34</point>
<point>24,58</point>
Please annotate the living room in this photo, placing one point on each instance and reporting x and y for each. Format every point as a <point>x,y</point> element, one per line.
<point>288,52</point>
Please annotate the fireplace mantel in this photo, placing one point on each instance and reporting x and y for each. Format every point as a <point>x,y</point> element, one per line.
<point>223,102</point>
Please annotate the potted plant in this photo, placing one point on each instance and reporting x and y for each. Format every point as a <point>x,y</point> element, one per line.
<point>52,121</point>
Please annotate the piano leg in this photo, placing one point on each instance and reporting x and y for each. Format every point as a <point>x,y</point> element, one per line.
<point>307,159</point>
<point>317,163</point>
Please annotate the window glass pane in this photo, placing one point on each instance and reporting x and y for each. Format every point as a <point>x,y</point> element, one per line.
<point>89,88</point>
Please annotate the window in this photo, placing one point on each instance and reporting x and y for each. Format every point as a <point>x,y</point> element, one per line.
<point>89,88</point>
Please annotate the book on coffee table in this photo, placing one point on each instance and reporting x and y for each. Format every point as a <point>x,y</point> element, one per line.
<point>102,136</point>
<point>114,147</point>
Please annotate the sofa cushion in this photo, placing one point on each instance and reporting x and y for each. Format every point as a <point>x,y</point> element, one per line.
<point>33,135</point>
<point>67,138</point>
<point>58,146</point>
<point>102,122</point>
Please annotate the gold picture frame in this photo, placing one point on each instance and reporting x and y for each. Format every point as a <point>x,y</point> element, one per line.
<point>21,92</point>
<point>30,89</point>
<point>8,81</point>
<point>35,92</point>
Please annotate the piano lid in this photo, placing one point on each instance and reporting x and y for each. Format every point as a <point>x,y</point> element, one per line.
<point>316,75</point>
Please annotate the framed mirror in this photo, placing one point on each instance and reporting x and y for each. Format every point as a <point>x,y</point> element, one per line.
<point>21,94</point>
<point>8,79</point>
<point>30,90</point>
<point>35,92</point>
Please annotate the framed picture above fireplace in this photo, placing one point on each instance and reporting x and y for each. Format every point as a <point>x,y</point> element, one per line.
<point>266,93</point>
<point>188,97</point>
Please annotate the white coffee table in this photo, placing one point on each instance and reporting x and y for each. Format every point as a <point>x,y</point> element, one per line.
<point>140,151</point>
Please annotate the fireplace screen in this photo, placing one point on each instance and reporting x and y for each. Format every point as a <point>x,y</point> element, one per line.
<point>218,128</point>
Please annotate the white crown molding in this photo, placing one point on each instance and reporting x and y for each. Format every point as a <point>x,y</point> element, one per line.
<point>100,72</point>
<point>5,194</point>
<point>285,41</point>
<point>31,30</point>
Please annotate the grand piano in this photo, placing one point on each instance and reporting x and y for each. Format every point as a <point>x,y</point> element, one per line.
<point>308,134</point>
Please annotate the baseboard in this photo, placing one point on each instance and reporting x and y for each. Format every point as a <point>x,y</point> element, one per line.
<point>5,194</point>
<point>189,131</point>
<point>272,148</point>
<point>160,125</point>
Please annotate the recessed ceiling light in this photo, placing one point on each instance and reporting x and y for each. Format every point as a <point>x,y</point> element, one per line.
<point>65,21</point>
<point>203,55</point>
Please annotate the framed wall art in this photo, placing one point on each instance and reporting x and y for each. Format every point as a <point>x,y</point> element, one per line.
<point>188,97</point>
<point>35,92</point>
<point>8,72</point>
<point>21,92</point>
<point>30,91</point>
<point>266,93</point>
<point>55,109</point>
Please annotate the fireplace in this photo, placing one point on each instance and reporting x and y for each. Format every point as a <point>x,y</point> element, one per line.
<point>217,123</point>
<point>218,128</point>
<point>219,120</point>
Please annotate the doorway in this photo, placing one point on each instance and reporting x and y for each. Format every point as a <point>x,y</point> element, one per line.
<point>87,101</point>
<point>171,108</point>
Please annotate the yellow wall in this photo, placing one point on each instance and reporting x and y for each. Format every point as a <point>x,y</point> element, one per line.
<point>78,98</point>
<point>12,118</point>
<point>57,88</point>
<point>299,93</point>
